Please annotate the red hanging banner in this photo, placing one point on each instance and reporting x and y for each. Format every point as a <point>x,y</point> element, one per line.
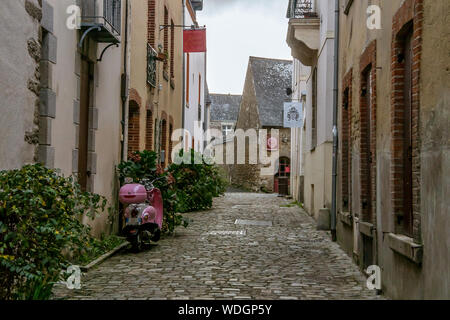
<point>194,40</point>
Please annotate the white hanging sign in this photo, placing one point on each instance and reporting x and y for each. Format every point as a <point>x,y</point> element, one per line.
<point>293,115</point>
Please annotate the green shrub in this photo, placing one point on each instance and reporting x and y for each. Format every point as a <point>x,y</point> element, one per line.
<point>196,184</point>
<point>40,218</point>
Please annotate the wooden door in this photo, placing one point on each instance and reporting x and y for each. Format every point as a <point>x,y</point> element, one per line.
<point>282,177</point>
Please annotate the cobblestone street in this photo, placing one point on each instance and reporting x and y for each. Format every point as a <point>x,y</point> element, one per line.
<point>282,257</point>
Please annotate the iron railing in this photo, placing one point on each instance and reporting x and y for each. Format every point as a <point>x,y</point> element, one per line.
<point>106,12</point>
<point>302,9</point>
<point>112,11</point>
<point>151,66</point>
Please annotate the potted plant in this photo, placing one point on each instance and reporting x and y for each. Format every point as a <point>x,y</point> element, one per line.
<point>162,56</point>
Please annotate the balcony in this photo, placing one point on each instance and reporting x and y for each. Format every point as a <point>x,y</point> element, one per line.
<point>304,30</point>
<point>102,20</point>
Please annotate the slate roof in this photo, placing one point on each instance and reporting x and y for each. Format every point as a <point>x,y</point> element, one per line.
<point>271,78</point>
<point>224,107</point>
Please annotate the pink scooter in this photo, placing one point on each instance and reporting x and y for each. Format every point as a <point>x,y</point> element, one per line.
<point>144,213</point>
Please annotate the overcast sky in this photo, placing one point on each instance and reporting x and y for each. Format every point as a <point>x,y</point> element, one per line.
<point>237,29</point>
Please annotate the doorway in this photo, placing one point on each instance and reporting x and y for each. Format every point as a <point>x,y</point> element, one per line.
<point>86,78</point>
<point>282,178</point>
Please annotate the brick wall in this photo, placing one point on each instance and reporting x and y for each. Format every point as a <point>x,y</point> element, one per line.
<point>368,132</point>
<point>133,128</point>
<point>149,131</point>
<point>134,121</point>
<point>151,24</point>
<point>411,12</point>
<point>346,134</point>
<point>166,35</point>
<point>135,97</point>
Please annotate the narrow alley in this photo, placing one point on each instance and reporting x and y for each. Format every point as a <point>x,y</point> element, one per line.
<point>273,252</point>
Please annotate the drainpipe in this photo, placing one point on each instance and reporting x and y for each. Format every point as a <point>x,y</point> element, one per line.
<point>183,99</point>
<point>335,124</point>
<point>125,71</point>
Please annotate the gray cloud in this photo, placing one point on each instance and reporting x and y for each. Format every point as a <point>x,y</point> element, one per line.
<point>215,5</point>
<point>238,29</point>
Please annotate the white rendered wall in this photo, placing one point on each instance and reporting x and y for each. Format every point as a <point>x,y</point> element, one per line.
<point>197,69</point>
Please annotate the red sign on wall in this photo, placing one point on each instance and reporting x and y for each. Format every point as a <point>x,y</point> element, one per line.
<point>194,40</point>
<point>272,144</point>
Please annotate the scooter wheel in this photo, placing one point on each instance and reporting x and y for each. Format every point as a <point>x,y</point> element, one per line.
<point>136,243</point>
<point>156,236</point>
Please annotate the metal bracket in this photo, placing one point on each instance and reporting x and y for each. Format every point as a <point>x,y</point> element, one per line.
<point>106,48</point>
<point>86,33</point>
<point>192,27</point>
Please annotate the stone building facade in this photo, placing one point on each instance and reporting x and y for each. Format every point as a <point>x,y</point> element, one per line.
<point>261,107</point>
<point>156,90</point>
<point>300,76</point>
<point>20,56</point>
<point>393,182</point>
<point>224,112</point>
<point>311,39</point>
<point>66,92</point>
<point>195,106</point>
<point>393,133</point>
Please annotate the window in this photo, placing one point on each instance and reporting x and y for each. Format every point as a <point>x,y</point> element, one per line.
<point>366,145</point>
<point>368,137</point>
<point>346,144</point>
<point>227,129</point>
<point>314,111</point>
<point>284,169</point>
<point>112,12</point>
<point>133,128</point>
<point>406,179</point>
<point>407,134</point>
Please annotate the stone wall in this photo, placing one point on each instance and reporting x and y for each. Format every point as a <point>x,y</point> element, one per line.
<point>414,263</point>
<point>20,55</point>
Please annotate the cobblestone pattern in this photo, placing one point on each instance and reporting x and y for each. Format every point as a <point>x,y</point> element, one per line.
<point>290,260</point>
